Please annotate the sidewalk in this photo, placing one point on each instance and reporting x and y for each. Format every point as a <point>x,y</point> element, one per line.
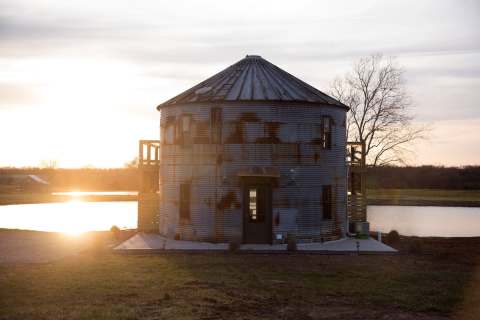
<point>154,242</point>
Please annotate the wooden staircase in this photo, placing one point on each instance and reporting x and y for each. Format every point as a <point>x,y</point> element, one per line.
<point>148,196</point>
<point>357,191</point>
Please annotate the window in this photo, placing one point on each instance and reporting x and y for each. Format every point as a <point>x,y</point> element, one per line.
<point>252,204</point>
<point>318,133</point>
<point>255,211</point>
<point>184,135</point>
<point>327,202</point>
<point>184,207</point>
<point>216,125</point>
<point>169,136</point>
<point>326,132</point>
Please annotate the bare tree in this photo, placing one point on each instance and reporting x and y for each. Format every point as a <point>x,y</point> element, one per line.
<point>379,110</point>
<point>132,163</point>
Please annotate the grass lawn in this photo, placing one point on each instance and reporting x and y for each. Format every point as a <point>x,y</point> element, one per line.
<point>238,286</point>
<point>424,197</point>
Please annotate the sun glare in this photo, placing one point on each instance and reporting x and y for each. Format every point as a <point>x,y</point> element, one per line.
<point>76,226</point>
<point>75,195</point>
<point>73,232</point>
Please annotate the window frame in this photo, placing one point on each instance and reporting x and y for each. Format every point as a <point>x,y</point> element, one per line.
<point>326,134</point>
<point>182,136</point>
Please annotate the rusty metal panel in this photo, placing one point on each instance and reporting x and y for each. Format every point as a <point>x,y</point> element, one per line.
<point>213,172</point>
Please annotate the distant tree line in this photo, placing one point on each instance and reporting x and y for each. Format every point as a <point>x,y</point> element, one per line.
<point>424,177</point>
<point>383,177</point>
<point>88,179</point>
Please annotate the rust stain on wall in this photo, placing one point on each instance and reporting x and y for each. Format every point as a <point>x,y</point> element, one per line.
<point>229,200</point>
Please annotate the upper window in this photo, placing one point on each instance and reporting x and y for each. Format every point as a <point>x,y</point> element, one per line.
<point>326,132</point>
<point>184,129</point>
<point>169,130</point>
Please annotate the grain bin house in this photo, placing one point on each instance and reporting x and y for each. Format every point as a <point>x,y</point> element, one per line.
<point>251,155</point>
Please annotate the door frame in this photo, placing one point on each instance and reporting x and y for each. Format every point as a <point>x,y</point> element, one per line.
<point>255,181</point>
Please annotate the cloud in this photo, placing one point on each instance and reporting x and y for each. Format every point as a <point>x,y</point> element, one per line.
<point>125,58</point>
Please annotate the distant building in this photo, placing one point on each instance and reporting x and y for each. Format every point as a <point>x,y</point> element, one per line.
<point>252,155</point>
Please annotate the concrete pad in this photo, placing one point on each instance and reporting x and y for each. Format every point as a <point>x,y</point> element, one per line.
<point>347,245</point>
<point>144,241</point>
<point>263,247</point>
<point>194,245</point>
<point>154,242</point>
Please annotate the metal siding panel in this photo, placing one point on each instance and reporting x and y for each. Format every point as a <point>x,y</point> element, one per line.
<point>300,182</point>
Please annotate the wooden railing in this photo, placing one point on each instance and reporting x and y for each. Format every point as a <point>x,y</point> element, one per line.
<point>148,153</point>
<point>148,198</point>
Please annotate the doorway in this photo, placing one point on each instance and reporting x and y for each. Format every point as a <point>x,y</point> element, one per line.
<point>257,207</point>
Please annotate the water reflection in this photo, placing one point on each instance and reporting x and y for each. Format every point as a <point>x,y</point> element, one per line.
<point>95,193</point>
<point>71,217</point>
<point>426,221</point>
<point>78,216</point>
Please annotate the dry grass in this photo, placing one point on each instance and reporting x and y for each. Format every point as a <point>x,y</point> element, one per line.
<point>96,285</point>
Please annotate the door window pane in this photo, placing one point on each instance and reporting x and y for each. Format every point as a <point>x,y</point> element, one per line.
<point>256,204</point>
<point>252,204</point>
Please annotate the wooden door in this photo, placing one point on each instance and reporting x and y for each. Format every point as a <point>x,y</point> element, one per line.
<point>257,204</point>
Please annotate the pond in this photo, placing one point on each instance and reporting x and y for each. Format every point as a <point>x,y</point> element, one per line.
<point>78,216</point>
<point>73,217</point>
<point>426,221</point>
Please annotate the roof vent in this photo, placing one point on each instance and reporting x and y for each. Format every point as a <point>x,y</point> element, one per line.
<point>253,56</point>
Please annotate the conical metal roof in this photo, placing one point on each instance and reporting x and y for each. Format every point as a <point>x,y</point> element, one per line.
<point>253,79</point>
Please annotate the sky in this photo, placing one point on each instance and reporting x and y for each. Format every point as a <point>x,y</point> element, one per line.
<point>80,80</point>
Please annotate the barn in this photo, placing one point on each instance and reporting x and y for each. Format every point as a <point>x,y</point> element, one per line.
<point>250,155</point>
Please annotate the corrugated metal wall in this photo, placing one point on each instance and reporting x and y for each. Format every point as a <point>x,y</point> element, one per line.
<point>212,170</point>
